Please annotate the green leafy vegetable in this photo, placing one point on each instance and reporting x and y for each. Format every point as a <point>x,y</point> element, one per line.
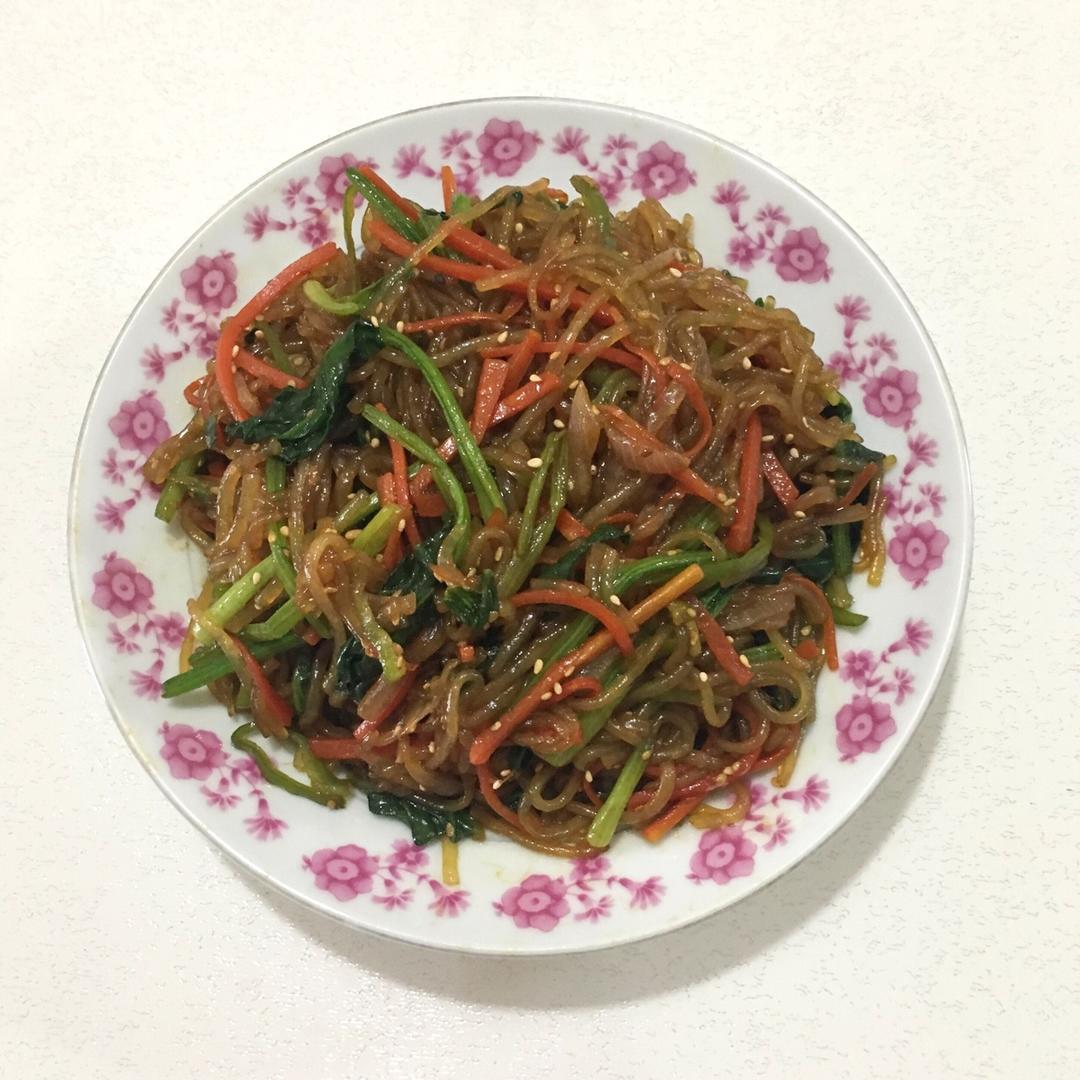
<point>426,820</point>
<point>474,606</point>
<point>300,420</point>
<point>564,567</point>
<point>838,406</point>
<point>213,664</point>
<point>598,210</point>
<point>325,787</point>
<point>855,454</point>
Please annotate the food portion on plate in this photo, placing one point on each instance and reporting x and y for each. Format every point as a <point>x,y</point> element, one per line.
<point>517,517</point>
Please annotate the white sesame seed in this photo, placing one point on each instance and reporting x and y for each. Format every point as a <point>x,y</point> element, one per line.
<point>534,462</point>
<point>588,776</point>
<point>768,438</point>
<point>646,755</point>
<point>284,530</point>
<point>558,288</point>
<point>785,371</point>
<point>665,360</point>
<point>616,602</point>
<point>534,377</point>
<point>431,747</point>
<point>702,676</point>
<point>546,696</point>
<point>684,366</point>
<point>503,336</point>
<point>731,640</point>
<point>400,328</point>
<point>674,271</point>
<point>499,553</point>
<point>260,334</point>
<point>506,773</point>
<point>743,660</point>
<point>293,383</point>
<point>236,350</point>
<point>800,514</point>
<point>794,451</point>
<point>538,667</point>
<point>374,320</point>
<point>747,363</point>
<point>574,385</point>
<point>557,687</point>
<point>558,424</point>
<point>498,784</point>
<point>789,438</point>
<point>496,725</point>
<point>805,631</point>
<point>256,578</point>
<point>401,525</point>
<point>556,354</point>
<point>375,443</point>
<point>519,228</point>
<point>592,469</point>
<point>379,557</point>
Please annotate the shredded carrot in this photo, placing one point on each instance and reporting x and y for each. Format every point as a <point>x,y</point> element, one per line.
<point>497,520</point>
<point>525,396</point>
<point>466,652</point>
<point>449,187</point>
<point>556,193</point>
<point>860,480</point>
<point>401,491</point>
<point>806,650</point>
<point>612,355</point>
<point>520,358</point>
<point>623,517</point>
<point>779,481</point>
<point>828,623</point>
<point>233,330</point>
<point>723,651</point>
<point>693,484</point>
<point>309,635</point>
<point>741,533</point>
<point>276,708</point>
<point>490,739</point>
<point>694,395</point>
<point>489,387</point>
<point>569,527</point>
<point>428,503</point>
<point>195,392</point>
<point>386,488</point>
<point>619,631</point>
<point>269,374</point>
<point>658,829</point>
<point>445,322</point>
<point>487,788</point>
<point>777,754</point>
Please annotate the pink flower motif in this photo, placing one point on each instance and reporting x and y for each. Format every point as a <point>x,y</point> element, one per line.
<point>333,180</point>
<point>882,343</point>
<point>112,468</point>
<point>610,185</point>
<point>468,182</point>
<point>170,317</point>
<point>147,684</point>
<point>854,309</point>
<point>344,872</point>
<point>595,866</point>
<point>918,549</point>
<point>452,140</point>
<point>295,193</point>
<point>917,635</point>
<point>730,194</point>
<point>537,903</point>
<point>393,900</point>
<point>891,498</point>
<point>192,754</point>
<point>862,726</point>
<point>596,911</point>
<point>154,361</point>
<point>892,395</point>
<point>858,667</point>
<point>139,424</point>
<point>723,854</point>
<point>168,629</point>
<point>221,796</point>
<point>572,140</point>
<point>781,830</point>
<point>771,216</point>
<point>617,145</point>
<point>244,768</point>
<point>315,230</point>
<point>844,365</point>
<point>760,795</point>
<point>812,795</point>
<point>662,171</point>
<point>934,497</point>
<point>644,894</point>
<point>264,826</point>
<point>111,514</point>
<point>258,222</point>
<point>121,642</point>
<point>210,283</point>
<point>743,252</point>
<point>120,589</point>
<point>410,159</point>
<point>801,256</point>
<point>905,683</point>
<point>206,340</point>
<point>447,902</point>
<point>505,146</point>
<point>407,855</point>
<point>924,450</point>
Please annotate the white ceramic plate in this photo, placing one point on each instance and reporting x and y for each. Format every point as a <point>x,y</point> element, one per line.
<point>131,576</point>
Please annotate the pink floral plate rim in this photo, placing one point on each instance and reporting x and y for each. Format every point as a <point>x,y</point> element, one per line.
<point>721,857</point>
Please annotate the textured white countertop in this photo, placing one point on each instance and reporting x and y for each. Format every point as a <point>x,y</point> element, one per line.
<point>938,934</point>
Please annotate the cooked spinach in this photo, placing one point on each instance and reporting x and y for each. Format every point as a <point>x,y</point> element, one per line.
<point>474,606</point>
<point>426,820</point>
<point>842,408</point>
<point>855,455</point>
<point>564,567</point>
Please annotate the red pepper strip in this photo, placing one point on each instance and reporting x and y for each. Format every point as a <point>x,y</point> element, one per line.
<point>741,533</point>
<point>659,828</point>
<point>824,612</point>
<point>779,481</point>
<point>493,375</point>
<point>520,358</point>
<point>273,704</point>
<point>806,650</point>
<point>569,527</point>
<point>619,631</point>
<point>490,739</point>
<point>428,503</point>
<point>449,187</point>
<point>267,372</point>
<point>861,479</point>
<point>611,354</point>
<point>393,703</point>
<point>401,491</point>
<point>723,651</point>
<point>233,330</point>
<point>195,392</point>
<point>694,396</point>
<point>386,489</point>
<point>491,797</point>
<point>774,757</point>
<point>444,322</point>
<point>693,484</point>
<point>581,685</point>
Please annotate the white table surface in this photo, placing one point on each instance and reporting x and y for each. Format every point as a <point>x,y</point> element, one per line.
<point>937,935</point>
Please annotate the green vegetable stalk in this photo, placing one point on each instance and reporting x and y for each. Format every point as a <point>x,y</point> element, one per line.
<point>602,830</point>
<point>325,787</point>
<point>172,494</point>
<point>215,665</point>
<point>597,209</point>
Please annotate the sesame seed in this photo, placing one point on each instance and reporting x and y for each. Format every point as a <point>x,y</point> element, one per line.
<point>684,366</point>
<point>557,687</point>
<point>665,360</point>
<point>375,443</point>
<point>805,631</point>
<point>352,534</point>
<point>559,425</point>
<point>498,784</point>
<point>800,514</point>
<point>556,354</point>
<point>292,383</point>
<point>646,755</point>
<point>431,747</point>
<point>499,553</point>
<point>546,696</point>
<point>236,350</point>
<point>496,725</point>
<point>569,485</point>
<point>374,320</point>
<point>702,676</point>
<point>743,660</point>
<point>615,600</point>
<point>574,385</point>
<point>674,271</point>
<point>534,462</point>
<point>503,336</point>
<point>588,776</point>
<point>506,773</point>
<point>256,578</point>
<point>731,640</point>
<point>592,469</point>
<point>789,438</point>
<point>768,438</point>
<point>747,363</point>
<point>785,371</point>
<point>401,525</point>
<point>400,328</point>
<point>378,307</point>
<point>518,227</point>
<point>558,288</point>
<point>284,530</point>
<point>538,667</point>
<point>794,452</point>
<point>379,557</point>
<point>259,334</point>
<point>534,377</point>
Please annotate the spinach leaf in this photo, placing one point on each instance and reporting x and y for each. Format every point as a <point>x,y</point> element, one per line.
<point>855,455</point>
<point>842,409</point>
<point>474,606</point>
<point>564,567</point>
<point>300,420</point>
<point>715,600</point>
<point>426,821</point>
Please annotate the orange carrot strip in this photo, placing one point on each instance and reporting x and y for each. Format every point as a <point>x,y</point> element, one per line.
<point>612,355</point>
<point>741,532</point>
<point>779,481</point>
<point>489,387</point>
<point>569,527</point>
<point>269,374</point>
<point>466,652</point>
<point>490,739</point>
<point>386,489</point>
<point>694,395</point>
<point>449,187</point>
<point>520,359</point>
<point>723,651</point>
<point>619,631</point>
<point>195,392</point>
<point>806,650</point>
<point>233,330</point>
<point>860,480</point>
<point>658,829</point>
<point>693,484</point>
<point>444,322</point>
<point>401,491</point>
<point>400,692</point>
<point>491,797</point>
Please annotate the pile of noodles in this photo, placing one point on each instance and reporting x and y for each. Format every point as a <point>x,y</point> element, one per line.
<point>647,292</point>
